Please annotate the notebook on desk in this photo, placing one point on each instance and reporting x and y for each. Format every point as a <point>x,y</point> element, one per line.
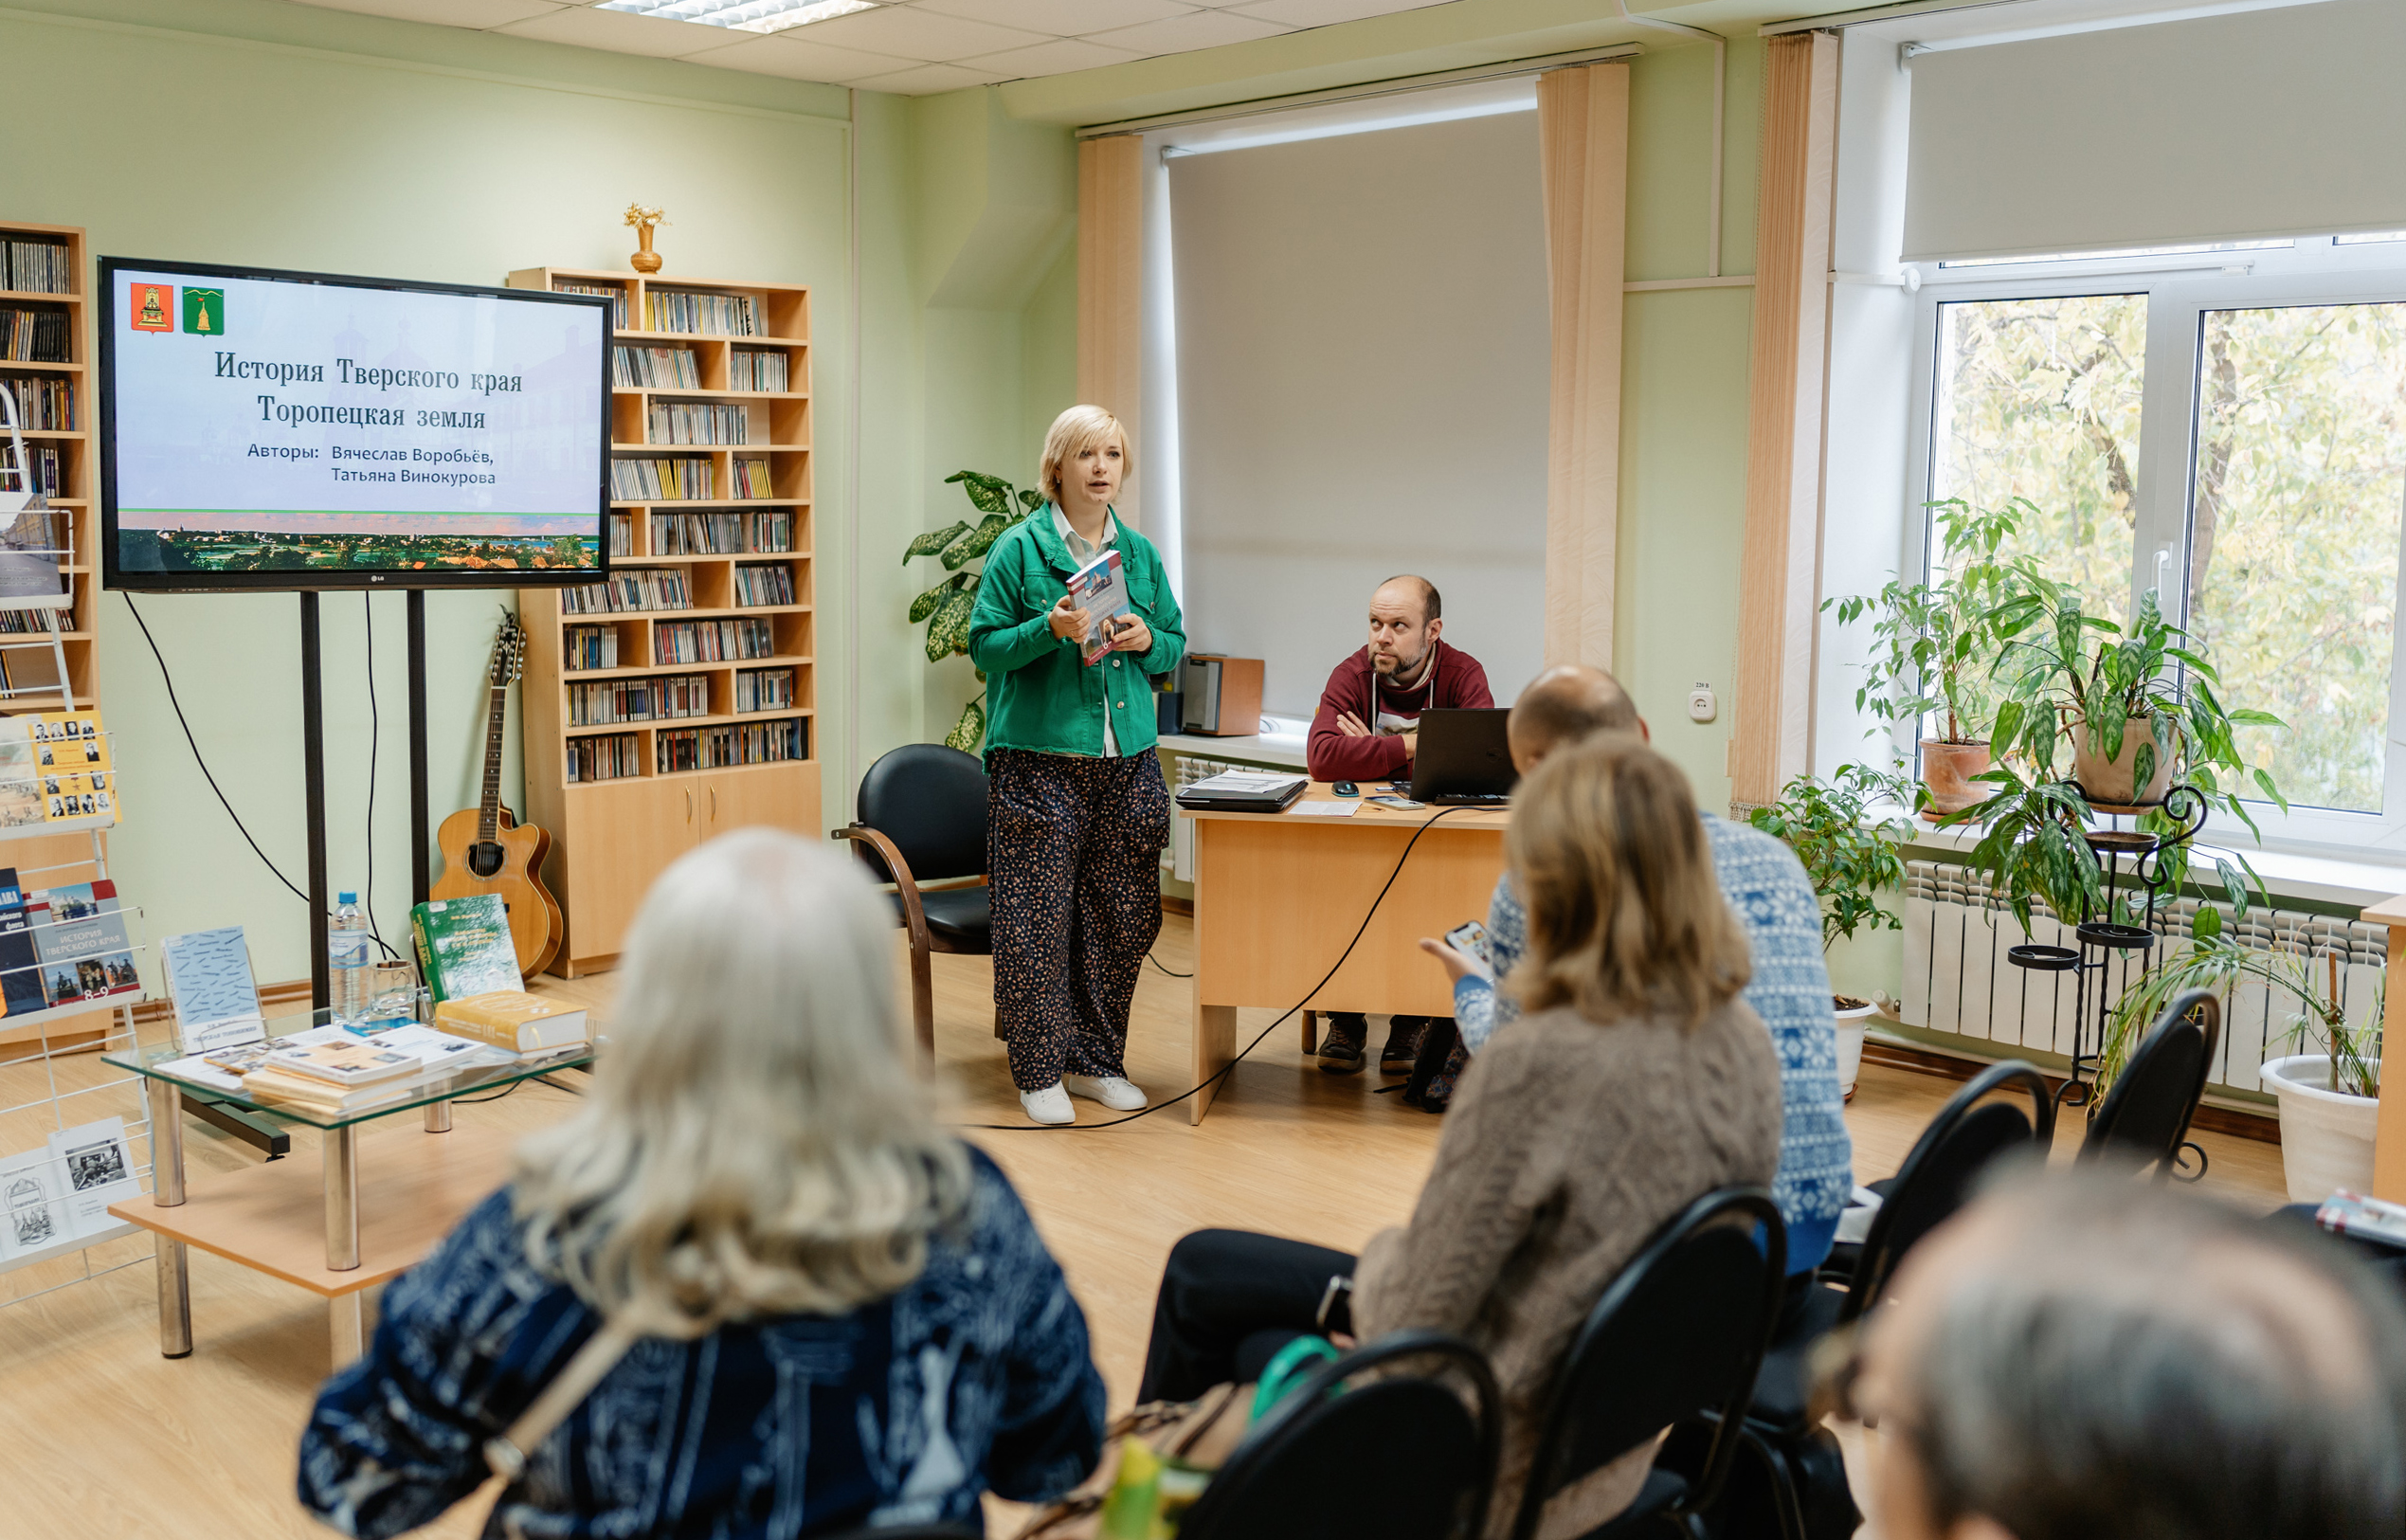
<point>1464,758</point>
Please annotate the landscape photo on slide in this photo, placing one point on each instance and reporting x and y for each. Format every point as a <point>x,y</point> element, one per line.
<point>334,542</point>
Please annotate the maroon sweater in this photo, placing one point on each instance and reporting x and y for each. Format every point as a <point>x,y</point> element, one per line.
<point>1453,680</point>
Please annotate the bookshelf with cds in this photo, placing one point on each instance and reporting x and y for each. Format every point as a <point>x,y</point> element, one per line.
<point>46,362</point>
<point>678,701</point>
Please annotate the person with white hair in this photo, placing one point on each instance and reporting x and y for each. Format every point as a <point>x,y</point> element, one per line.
<point>840,1314</point>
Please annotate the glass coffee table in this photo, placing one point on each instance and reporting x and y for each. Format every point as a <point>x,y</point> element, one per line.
<point>361,1230</point>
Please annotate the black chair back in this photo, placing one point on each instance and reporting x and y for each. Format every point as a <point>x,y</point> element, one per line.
<point>2146,1117</point>
<point>1399,1455</point>
<point>914,1532</point>
<point>930,802</point>
<point>1679,1333</point>
<point>1945,1163</point>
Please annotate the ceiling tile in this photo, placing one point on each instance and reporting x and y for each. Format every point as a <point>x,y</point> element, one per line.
<point>1057,57</point>
<point>927,80</point>
<point>1197,29</point>
<point>908,33</point>
<point>477,14</point>
<point>1068,18</point>
<point>799,59</point>
<point>619,32</point>
<point>1326,12</point>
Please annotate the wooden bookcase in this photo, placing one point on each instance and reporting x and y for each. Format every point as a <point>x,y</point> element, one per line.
<point>612,836</point>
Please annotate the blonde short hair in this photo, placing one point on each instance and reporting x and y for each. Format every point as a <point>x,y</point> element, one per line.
<point>1625,917</point>
<point>758,1140</point>
<point>1076,430</point>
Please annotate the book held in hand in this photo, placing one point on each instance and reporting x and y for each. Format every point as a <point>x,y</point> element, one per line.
<point>524,1023</point>
<point>1100,588</point>
<point>463,946</point>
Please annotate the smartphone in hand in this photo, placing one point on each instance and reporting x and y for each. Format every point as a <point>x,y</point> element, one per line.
<point>1469,938</point>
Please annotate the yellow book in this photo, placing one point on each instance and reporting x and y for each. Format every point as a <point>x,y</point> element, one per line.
<point>277,1089</point>
<point>524,1023</point>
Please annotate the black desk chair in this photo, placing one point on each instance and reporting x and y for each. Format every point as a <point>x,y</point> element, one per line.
<point>1794,1478</point>
<point>1677,1337</point>
<point>1399,1455</point>
<point>920,817</point>
<point>2146,1117</point>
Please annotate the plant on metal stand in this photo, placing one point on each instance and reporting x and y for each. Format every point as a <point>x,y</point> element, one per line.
<point>946,607</point>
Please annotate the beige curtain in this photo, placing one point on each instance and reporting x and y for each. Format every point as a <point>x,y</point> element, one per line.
<point>1582,118</point>
<point>1110,290</point>
<point>1780,570</point>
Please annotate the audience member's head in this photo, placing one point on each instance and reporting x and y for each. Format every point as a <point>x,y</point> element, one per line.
<point>756,1140</point>
<point>1406,618</point>
<point>1625,917</point>
<point>1568,702</point>
<point>2078,1358</point>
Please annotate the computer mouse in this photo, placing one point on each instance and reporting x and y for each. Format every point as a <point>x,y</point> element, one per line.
<point>1346,788</point>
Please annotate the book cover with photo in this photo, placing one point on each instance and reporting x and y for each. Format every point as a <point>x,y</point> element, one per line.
<point>33,1203</point>
<point>99,1170</point>
<point>463,946</point>
<point>79,934</point>
<point>20,965</point>
<point>70,742</point>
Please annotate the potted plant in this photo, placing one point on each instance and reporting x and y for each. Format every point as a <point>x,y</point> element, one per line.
<point>1935,644</point>
<point>2329,1100</point>
<point>1850,853</point>
<point>946,607</point>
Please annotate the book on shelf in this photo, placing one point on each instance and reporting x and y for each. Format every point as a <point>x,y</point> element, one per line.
<point>695,422</point>
<point>463,946</point>
<point>19,964</point>
<point>525,1024</point>
<point>342,1064</point>
<point>675,477</point>
<point>47,405</point>
<point>764,689</point>
<point>584,647</point>
<point>753,368</point>
<point>34,336</point>
<point>711,641</point>
<point>709,314</point>
<point>614,758</point>
<point>63,1190</point>
<point>209,981</point>
<point>763,583</point>
<point>654,369</point>
<point>79,935</point>
<point>638,700</point>
<point>628,589</point>
<point>36,266</point>
<point>751,477</point>
<point>617,296</point>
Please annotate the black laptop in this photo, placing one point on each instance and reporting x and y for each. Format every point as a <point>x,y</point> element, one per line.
<point>1464,758</point>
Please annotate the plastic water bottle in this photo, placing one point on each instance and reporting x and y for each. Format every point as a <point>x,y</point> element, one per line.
<point>347,954</point>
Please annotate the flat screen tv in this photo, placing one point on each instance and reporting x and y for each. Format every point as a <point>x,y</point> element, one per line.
<point>265,430</point>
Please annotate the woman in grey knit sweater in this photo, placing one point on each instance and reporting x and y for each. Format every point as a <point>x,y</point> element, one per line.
<point>1637,1081</point>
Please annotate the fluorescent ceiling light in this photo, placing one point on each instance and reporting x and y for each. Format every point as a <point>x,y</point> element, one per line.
<point>741,15</point>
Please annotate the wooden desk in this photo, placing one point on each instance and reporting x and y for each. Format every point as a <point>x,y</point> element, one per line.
<point>1279,897</point>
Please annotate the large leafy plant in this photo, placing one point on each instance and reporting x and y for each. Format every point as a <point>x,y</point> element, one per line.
<point>946,607</point>
<point>1935,644</point>
<point>1850,855</point>
<point>2215,962</point>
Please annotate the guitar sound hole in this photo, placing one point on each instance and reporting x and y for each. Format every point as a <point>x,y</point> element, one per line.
<point>485,860</point>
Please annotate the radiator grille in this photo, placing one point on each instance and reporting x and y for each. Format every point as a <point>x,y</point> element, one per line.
<point>1956,979</point>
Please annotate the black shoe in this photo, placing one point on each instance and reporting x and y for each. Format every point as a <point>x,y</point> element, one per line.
<point>1402,1049</point>
<point>1341,1040</point>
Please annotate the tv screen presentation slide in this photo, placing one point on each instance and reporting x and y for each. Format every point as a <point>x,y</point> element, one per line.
<point>264,425</point>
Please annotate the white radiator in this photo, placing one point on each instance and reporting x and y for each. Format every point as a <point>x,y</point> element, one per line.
<point>1956,978</point>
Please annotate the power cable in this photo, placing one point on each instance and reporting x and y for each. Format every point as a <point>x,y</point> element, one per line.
<point>1157,963</point>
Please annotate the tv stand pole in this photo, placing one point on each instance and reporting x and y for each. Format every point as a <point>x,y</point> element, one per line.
<point>313,738</point>
<point>420,816</point>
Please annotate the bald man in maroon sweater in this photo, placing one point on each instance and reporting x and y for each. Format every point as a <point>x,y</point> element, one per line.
<point>1366,729</point>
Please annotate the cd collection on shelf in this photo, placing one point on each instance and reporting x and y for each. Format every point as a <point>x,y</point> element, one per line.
<point>585,647</point>
<point>33,336</point>
<point>654,369</point>
<point>36,267</point>
<point>763,583</point>
<point>617,297</point>
<point>764,689</point>
<point>711,641</point>
<point>739,532</point>
<point>695,422</point>
<point>49,476</point>
<point>44,405</point>
<point>611,758</point>
<point>638,700</point>
<point>721,748</point>
<point>636,588</point>
<point>709,314</point>
<point>622,534</point>
<point>751,477</point>
<point>681,478</point>
<point>751,369</point>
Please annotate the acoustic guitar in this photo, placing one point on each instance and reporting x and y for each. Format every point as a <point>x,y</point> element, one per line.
<point>486,850</point>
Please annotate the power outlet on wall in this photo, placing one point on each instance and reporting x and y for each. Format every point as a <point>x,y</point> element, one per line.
<point>1702,706</point>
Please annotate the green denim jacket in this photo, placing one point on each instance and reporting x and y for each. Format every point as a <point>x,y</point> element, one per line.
<point>1039,695</point>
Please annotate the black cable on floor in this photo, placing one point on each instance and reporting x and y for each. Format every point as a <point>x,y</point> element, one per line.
<point>1156,962</point>
<point>1289,1014</point>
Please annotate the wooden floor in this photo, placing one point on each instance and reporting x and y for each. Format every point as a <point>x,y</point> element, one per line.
<point>127,1443</point>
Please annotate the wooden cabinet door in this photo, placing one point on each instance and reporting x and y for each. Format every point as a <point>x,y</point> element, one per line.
<point>621,834</point>
<point>784,796</point>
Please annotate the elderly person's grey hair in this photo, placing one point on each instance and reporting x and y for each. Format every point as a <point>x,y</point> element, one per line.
<point>2132,1363</point>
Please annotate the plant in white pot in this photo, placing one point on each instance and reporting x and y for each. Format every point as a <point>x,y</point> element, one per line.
<point>1935,644</point>
<point>2329,1100</point>
<point>1851,852</point>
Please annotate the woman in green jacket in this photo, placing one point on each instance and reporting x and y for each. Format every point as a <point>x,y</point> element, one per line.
<point>1077,808</point>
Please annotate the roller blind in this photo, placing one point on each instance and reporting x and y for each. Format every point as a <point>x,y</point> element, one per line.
<point>2252,125</point>
<point>1363,364</point>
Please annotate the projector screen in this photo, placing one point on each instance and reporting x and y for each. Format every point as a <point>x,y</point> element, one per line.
<point>292,430</point>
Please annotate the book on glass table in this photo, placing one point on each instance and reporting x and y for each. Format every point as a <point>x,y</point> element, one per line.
<point>525,1024</point>
<point>342,1065</point>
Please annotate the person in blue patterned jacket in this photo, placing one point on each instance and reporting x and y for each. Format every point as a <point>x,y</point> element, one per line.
<point>845,1316</point>
<point>1776,906</point>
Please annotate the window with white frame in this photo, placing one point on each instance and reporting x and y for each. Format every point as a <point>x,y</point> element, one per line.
<point>2226,426</point>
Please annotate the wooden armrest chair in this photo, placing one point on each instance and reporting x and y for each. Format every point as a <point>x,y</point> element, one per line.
<point>920,817</point>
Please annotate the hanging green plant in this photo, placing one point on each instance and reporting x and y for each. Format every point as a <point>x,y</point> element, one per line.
<point>947,607</point>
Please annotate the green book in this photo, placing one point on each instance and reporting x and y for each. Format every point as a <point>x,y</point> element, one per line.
<point>463,946</point>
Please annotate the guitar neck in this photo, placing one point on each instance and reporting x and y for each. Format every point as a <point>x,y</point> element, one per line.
<point>489,810</point>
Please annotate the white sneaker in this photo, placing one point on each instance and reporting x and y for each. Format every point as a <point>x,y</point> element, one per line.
<point>1050,1105</point>
<point>1113,1091</point>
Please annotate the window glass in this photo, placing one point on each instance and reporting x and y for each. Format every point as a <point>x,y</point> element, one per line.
<point>2039,399</point>
<point>2295,495</point>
